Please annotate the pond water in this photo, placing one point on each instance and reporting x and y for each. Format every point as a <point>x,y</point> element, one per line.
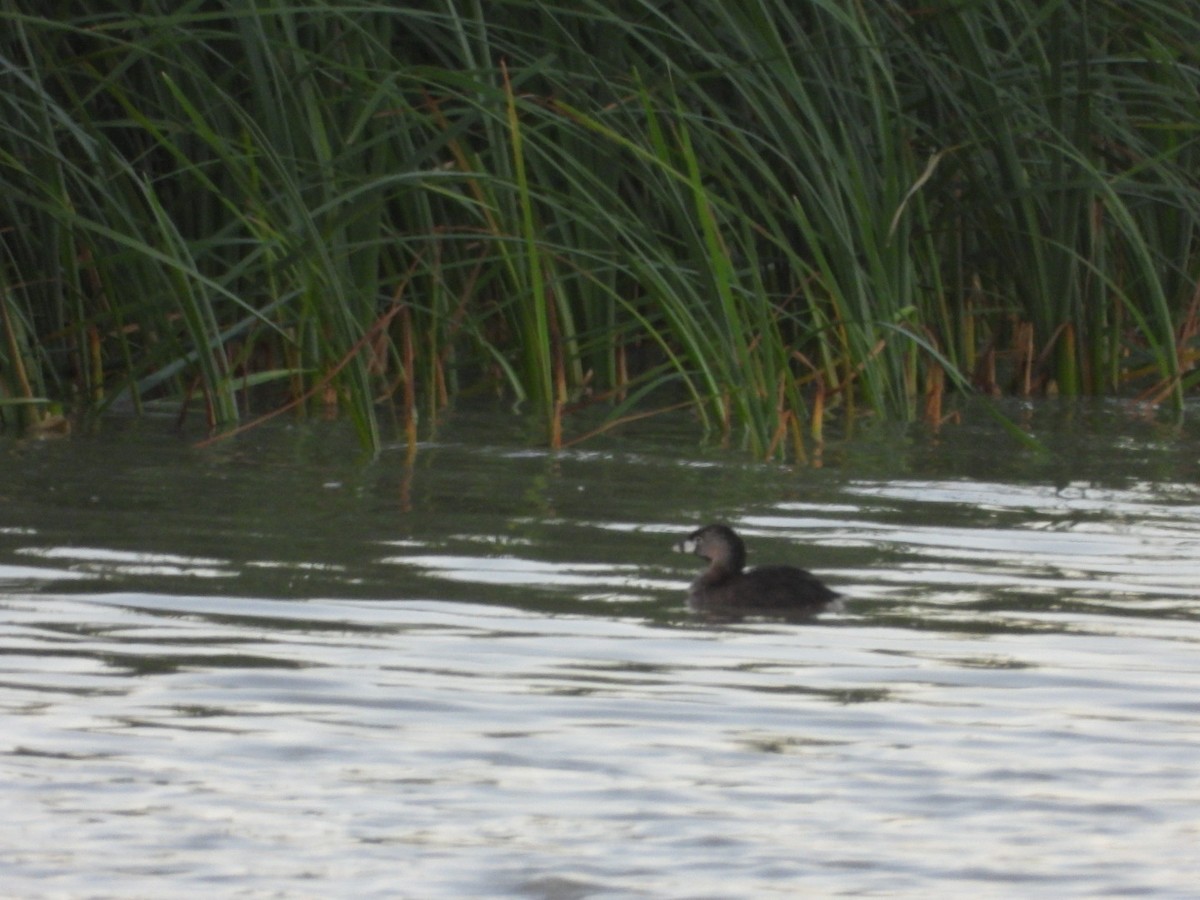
<point>273,668</point>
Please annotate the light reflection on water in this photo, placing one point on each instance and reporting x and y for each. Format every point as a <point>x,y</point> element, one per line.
<point>1007,705</point>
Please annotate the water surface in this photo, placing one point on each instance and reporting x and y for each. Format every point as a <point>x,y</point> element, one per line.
<point>273,668</point>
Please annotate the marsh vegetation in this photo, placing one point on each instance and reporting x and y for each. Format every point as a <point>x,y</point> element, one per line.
<point>771,212</point>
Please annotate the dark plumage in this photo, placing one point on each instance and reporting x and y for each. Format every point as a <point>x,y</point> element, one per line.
<point>724,588</point>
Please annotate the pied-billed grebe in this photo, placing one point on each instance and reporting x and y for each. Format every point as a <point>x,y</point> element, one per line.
<point>723,587</point>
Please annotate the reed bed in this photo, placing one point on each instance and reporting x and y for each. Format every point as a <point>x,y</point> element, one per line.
<point>771,212</point>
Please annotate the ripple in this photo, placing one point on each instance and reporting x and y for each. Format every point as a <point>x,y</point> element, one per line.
<point>477,671</point>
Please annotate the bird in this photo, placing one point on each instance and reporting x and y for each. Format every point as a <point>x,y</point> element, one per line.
<point>726,587</point>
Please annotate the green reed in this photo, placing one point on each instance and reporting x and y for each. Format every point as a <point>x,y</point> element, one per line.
<point>771,211</point>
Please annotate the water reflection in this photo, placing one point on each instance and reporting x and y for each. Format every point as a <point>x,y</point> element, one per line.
<point>292,677</point>
<point>105,562</point>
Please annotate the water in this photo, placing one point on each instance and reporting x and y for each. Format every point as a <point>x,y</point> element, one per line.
<point>275,669</point>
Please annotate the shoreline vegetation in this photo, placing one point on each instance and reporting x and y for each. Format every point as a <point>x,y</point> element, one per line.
<point>770,212</point>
